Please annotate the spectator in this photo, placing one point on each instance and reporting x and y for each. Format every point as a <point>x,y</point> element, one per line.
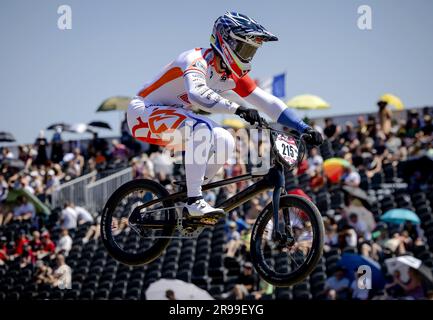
<point>3,251</point>
<point>78,161</point>
<point>394,288</point>
<point>57,146</point>
<point>351,177</point>
<point>83,216</point>
<point>347,237</point>
<point>25,209</point>
<point>356,292</point>
<point>315,161</point>
<point>385,117</point>
<point>21,242</point>
<point>43,273</point>
<point>36,242</point>
<point>427,129</point>
<point>64,245</point>
<point>93,232</point>
<point>120,152</point>
<point>337,286</point>
<point>69,217</point>
<point>359,226</point>
<point>48,246</point>
<point>41,145</point>
<point>330,130</point>
<point>62,276</point>
<point>413,288</point>
<point>233,239</point>
<point>246,283</point>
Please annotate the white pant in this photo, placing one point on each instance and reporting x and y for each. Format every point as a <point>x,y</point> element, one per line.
<point>207,146</point>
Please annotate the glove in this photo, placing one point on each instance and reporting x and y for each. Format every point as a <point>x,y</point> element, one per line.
<point>249,115</point>
<point>315,138</point>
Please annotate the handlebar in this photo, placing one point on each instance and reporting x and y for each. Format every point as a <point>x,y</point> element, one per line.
<point>307,138</point>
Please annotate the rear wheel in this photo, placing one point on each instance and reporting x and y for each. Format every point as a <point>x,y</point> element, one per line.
<point>288,265</point>
<point>133,243</point>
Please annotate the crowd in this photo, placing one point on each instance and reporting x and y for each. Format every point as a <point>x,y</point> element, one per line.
<point>41,244</point>
<point>38,242</point>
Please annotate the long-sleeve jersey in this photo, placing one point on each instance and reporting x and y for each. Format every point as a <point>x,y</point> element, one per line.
<point>191,82</point>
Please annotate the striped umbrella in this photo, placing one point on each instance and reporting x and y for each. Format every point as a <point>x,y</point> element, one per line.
<point>334,168</point>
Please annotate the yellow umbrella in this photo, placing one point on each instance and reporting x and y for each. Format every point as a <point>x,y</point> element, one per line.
<point>392,100</point>
<point>114,103</point>
<point>234,123</point>
<point>307,101</point>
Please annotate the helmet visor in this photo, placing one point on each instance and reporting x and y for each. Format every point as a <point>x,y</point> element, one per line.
<point>244,50</point>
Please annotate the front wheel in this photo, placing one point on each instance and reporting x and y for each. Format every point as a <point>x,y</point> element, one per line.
<point>286,266</point>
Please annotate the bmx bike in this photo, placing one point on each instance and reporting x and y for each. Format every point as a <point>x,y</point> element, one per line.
<point>289,228</point>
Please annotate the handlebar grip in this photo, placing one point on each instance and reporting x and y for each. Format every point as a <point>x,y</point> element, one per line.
<point>264,123</point>
<point>308,138</point>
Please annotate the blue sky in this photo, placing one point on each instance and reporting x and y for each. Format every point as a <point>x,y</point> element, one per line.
<point>48,75</point>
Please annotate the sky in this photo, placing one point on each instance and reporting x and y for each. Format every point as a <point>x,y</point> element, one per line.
<point>49,75</point>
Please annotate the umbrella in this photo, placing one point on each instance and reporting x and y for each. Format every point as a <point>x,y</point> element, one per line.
<point>6,137</point>
<point>182,290</point>
<point>80,128</point>
<point>14,163</point>
<point>358,193</point>
<point>99,124</point>
<point>114,103</point>
<point>68,157</point>
<point>63,126</point>
<point>307,101</point>
<point>352,262</point>
<point>399,216</point>
<point>392,100</point>
<point>363,214</point>
<point>234,123</point>
<point>403,263</point>
<point>334,168</point>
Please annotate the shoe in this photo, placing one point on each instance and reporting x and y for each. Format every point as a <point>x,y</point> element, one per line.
<point>202,211</point>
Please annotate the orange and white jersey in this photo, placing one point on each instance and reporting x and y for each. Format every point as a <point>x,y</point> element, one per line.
<point>191,81</point>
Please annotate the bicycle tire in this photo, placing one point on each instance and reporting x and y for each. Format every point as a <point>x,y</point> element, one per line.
<point>257,257</point>
<point>108,240</point>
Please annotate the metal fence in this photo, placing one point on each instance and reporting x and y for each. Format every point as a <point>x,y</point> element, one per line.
<point>74,190</point>
<point>98,192</point>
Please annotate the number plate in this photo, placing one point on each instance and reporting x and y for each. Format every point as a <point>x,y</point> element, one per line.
<point>287,148</point>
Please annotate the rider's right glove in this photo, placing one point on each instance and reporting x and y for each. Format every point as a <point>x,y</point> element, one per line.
<point>316,138</point>
<point>249,115</point>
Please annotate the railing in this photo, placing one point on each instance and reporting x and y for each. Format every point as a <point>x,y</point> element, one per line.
<point>74,190</point>
<point>98,192</point>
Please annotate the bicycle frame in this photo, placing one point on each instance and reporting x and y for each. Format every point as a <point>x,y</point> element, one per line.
<point>274,178</point>
<point>250,192</point>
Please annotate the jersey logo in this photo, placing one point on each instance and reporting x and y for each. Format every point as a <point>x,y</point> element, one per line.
<point>184,98</point>
<point>160,121</point>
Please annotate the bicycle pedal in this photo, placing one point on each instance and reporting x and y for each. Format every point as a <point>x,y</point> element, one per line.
<point>209,221</point>
<point>205,220</point>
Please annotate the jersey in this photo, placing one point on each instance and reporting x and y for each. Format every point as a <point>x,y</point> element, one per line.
<point>192,82</point>
<point>168,87</point>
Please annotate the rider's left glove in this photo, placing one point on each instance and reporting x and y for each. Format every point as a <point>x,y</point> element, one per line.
<point>249,115</point>
<point>315,138</point>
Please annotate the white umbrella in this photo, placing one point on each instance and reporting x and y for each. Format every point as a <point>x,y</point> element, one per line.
<point>403,263</point>
<point>79,127</point>
<point>182,290</point>
<point>68,157</point>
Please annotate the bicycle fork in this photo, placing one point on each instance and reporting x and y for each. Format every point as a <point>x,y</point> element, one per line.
<point>284,237</point>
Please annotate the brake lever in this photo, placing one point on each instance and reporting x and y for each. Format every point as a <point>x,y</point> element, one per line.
<point>307,138</point>
<point>263,124</point>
